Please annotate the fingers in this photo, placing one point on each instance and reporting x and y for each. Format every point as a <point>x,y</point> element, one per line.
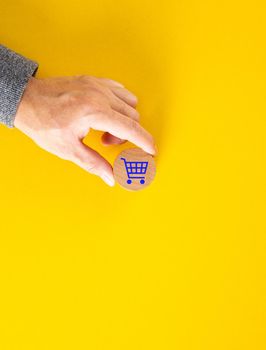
<point>124,108</point>
<point>120,91</point>
<point>120,122</point>
<point>91,161</point>
<point>109,82</point>
<point>128,111</point>
<point>122,101</point>
<point>125,95</point>
<point>124,128</point>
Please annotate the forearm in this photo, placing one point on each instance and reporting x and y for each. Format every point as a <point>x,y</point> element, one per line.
<point>15,72</point>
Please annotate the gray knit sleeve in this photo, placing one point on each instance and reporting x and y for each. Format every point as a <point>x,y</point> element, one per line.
<point>15,72</point>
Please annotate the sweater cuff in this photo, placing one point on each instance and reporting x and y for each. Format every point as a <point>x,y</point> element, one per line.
<point>15,72</point>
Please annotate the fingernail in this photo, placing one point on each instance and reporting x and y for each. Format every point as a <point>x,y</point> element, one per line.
<point>153,150</point>
<point>136,99</point>
<point>109,180</point>
<point>118,84</point>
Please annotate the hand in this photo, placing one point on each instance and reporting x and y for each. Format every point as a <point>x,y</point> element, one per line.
<point>57,113</point>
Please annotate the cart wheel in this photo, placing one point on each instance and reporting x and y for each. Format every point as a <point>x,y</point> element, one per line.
<point>142,181</point>
<point>129,181</point>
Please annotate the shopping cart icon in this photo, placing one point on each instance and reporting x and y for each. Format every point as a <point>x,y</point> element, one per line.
<point>135,170</point>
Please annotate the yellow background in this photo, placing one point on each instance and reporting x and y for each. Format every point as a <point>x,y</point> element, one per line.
<point>181,264</point>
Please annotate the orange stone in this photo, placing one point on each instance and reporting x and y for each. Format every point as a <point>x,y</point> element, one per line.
<point>134,169</point>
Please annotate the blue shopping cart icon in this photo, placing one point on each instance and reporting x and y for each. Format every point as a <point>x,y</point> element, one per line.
<point>135,170</point>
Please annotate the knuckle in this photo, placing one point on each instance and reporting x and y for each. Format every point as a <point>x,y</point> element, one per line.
<point>87,102</point>
<point>134,126</point>
<point>92,167</point>
<point>84,78</point>
<point>92,85</point>
<point>129,111</point>
<point>123,108</point>
<point>95,104</point>
<point>92,109</point>
<point>72,98</point>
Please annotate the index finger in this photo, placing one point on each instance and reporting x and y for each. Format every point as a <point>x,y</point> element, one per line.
<point>125,128</point>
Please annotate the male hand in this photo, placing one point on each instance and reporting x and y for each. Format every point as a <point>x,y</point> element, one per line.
<point>57,113</point>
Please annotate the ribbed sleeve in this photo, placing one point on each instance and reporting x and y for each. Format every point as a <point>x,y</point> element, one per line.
<point>15,72</point>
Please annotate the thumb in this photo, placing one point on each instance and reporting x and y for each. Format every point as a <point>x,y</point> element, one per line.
<point>91,161</point>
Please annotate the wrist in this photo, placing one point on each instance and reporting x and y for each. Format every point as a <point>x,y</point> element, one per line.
<point>24,107</point>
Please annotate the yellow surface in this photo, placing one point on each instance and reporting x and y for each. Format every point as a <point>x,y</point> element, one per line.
<point>180,265</point>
